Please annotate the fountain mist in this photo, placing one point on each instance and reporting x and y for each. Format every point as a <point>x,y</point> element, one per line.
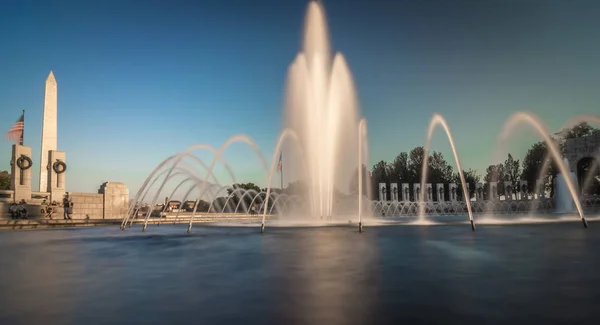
<point>321,107</point>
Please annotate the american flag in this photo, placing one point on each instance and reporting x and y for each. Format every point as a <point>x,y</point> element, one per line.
<point>15,134</point>
<point>279,165</point>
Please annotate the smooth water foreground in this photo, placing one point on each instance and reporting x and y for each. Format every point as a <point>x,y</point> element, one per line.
<point>544,273</point>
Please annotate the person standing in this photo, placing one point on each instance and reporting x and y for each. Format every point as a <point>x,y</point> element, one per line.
<point>67,207</point>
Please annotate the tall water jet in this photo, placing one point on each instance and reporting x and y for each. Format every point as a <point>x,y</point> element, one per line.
<point>321,107</point>
<point>540,129</point>
<point>436,120</point>
<point>563,200</point>
<point>362,132</point>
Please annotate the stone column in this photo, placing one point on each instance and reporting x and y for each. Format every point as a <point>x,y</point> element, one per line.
<point>479,192</point>
<point>453,192</point>
<point>394,192</point>
<point>539,189</point>
<point>405,192</point>
<point>493,195</point>
<point>21,177</point>
<point>57,180</point>
<point>524,190</point>
<point>508,190</point>
<point>428,192</point>
<point>382,192</point>
<point>440,192</point>
<point>417,192</point>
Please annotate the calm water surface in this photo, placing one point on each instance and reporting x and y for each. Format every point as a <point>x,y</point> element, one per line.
<point>536,274</point>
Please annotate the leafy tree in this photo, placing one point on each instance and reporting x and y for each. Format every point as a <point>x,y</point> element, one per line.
<point>203,206</point>
<point>580,130</point>
<point>245,186</point>
<point>494,173</point>
<point>439,170</point>
<point>588,167</point>
<point>400,172</point>
<point>415,165</point>
<point>379,175</point>
<point>471,178</point>
<point>536,157</point>
<point>512,172</point>
<point>4,180</point>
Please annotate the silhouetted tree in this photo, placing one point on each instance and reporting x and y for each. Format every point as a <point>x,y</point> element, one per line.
<point>534,160</point>
<point>471,178</point>
<point>494,173</point>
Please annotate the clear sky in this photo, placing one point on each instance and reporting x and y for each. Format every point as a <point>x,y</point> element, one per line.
<point>141,80</point>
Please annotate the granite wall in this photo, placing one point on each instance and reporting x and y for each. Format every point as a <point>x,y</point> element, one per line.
<point>111,202</point>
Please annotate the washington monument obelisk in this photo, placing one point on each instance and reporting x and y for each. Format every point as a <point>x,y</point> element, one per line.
<point>49,129</point>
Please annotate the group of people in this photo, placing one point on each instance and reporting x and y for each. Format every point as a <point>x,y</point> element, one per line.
<point>67,204</point>
<point>18,211</point>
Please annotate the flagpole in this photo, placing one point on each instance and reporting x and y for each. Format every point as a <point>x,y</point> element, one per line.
<point>23,131</point>
<point>281,162</point>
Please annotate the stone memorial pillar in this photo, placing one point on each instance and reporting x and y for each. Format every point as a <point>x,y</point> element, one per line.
<point>405,192</point>
<point>428,192</point>
<point>524,190</point>
<point>20,168</point>
<point>57,168</point>
<point>394,192</point>
<point>479,192</point>
<point>417,192</point>
<point>440,192</point>
<point>382,192</point>
<point>453,189</point>
<point>493,195</point>
<point>508,190</point>
<point>539,189</point>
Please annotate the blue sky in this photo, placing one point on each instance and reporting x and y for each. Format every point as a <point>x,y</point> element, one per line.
<point>139,81</point>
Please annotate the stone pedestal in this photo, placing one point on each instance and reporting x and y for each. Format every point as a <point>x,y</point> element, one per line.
<point>115,200</point>
<point>539,189</point>
<point>21,177</point>
<point>394,192</point>
<point>453,190</point>
<point>508,190</point>
<point>405,192</point>
<point>493,195</point>
<point>524,190</point>
<point>479,192</point>
<point>417,192</point>
<point>440,192</point>
<point>428,192</point>
<point>56,181</point>
<point>382,192</point>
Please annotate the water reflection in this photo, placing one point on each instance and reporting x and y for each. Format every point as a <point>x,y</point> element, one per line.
<point>34,269</point>
<point>324,277</point>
